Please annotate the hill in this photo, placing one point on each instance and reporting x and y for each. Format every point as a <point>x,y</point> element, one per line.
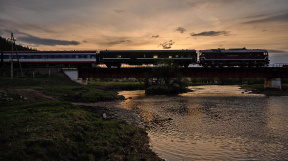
<point>5,45</point>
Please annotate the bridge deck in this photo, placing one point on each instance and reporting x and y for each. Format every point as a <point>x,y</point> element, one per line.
<point>196,72</point>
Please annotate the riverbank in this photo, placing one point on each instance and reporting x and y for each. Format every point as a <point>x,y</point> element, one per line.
<point>259,89</point>
<point>39,121</point>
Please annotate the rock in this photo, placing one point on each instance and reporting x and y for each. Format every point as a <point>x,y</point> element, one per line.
<point>104,115</point>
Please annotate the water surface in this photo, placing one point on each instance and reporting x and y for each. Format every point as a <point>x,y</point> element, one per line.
<point>214,123</point>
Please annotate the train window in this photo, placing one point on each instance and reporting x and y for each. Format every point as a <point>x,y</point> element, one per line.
<point>22,57</point>
<point>176,56</point>
<point>155,56</point>
<point>70,56</point>
<point>92,57</point>
<point>76,56</point>
<point>118,56</point>
<point>88,56</point>
<point>170,56</point>
<point>82,56</point>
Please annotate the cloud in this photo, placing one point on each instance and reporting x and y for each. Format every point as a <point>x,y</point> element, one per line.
<point>10,24</point>
<point>155,36</point>
<point>30,39</point>
<point>119,11</point>
<point>277,51</point>
<point>181,30</point>
<point>167,45</point>
<point>42,41</point>
<point>110,41</point>
<point>265,18</point>
<point>211,33</point>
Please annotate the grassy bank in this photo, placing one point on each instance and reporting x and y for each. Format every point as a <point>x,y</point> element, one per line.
<point>34,127</point>
<point>119,85</point>
<point>59,87</point>
<point>259,89</point>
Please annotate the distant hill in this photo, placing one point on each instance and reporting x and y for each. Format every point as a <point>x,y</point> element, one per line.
<point>5,45</point>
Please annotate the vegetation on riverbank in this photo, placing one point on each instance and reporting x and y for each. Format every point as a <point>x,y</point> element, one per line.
<point>38,124</point>
<point>118,85</point>
<point>61,88</point>
<point>259,89</point>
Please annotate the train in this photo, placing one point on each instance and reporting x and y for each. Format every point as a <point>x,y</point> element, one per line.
<point>50,58</point>
<point>115,58</point>
<point>234,57</point>
<point>140,57</point>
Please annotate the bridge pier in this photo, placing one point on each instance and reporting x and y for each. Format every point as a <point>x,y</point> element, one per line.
<point>73,74</point>
<point>272,83</point>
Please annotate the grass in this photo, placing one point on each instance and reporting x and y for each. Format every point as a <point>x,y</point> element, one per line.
<point>261,86</point>
<point>119,85</point>
<point>80,93</point>
<point>54,130</point>
<point>59,130</point>
<point>61,88</point>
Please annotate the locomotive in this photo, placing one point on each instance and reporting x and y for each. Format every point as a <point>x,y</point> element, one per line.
<point>115,58</point>
<point>233,57</point>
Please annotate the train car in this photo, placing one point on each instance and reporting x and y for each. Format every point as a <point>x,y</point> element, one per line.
<point>234,57</point>
<point>43,58</point>
<point>139,57</point>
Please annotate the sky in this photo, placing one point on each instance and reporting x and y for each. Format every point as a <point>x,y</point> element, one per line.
<point>148,24</point>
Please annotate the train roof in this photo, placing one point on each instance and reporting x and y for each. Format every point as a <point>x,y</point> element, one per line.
<point>51,52</point>
<point>145,51</point>
<point>234,50</point>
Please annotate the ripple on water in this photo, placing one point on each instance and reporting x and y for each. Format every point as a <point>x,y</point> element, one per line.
<point>214,123</point>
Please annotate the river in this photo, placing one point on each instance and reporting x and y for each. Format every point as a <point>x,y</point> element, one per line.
<point>214,123</point>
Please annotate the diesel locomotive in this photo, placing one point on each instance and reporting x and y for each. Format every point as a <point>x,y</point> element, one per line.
<point>233,57</point>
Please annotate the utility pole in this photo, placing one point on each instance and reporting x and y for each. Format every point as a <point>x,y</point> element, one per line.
<point>12,42</point>
<point>12,58</point>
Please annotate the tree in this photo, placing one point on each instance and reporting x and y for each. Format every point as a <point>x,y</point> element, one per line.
<point>168,78</point>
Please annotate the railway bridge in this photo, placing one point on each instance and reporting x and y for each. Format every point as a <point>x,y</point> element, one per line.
<point>272,75</point>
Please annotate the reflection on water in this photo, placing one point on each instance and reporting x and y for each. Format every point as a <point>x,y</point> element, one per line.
<point>214,123</point>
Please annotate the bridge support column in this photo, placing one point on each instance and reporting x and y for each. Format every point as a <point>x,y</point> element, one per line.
<point>84,81</point>
<point>273,83</point>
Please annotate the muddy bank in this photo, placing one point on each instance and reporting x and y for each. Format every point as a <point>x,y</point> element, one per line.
<point>109,111</point>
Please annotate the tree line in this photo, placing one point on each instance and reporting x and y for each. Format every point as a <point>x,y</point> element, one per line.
<point>5,45</point>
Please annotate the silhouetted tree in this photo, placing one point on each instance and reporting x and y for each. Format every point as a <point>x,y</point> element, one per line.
<point>5,45</point>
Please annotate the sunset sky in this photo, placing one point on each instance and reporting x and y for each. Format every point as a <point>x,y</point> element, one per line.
<point>148,24</point>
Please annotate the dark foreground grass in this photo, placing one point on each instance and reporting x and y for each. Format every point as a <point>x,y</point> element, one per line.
<point>55,130</point>
<point>58,130</point>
